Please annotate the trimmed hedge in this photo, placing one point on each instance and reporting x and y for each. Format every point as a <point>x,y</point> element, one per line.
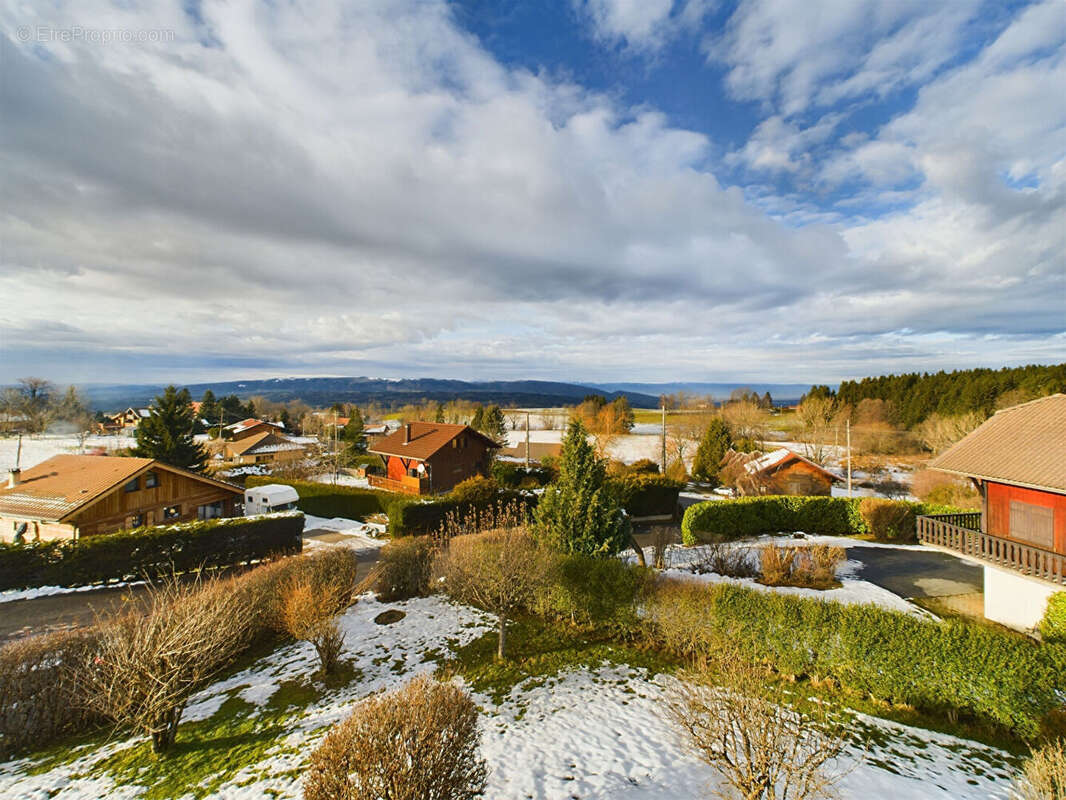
<point>648,495</point>
<point>327,500</point>
<point>887,655</point>
<point>150,552</point>
<point>755,516</point>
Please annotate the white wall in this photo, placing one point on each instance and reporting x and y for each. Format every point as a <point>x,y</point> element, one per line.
<point>1016,600</point>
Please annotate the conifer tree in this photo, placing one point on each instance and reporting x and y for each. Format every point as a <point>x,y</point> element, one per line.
<point>167,432</point>
<point>478,421</point>
<point>439,415</point>
<point>713,446</point>
<point>209,408</point>
<point>352,432</point>
<point>579,512</point>
<point>493,424</point>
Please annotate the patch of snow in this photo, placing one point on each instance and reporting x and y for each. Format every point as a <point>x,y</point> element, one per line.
<point>41,447</point>
<point>8,595</point>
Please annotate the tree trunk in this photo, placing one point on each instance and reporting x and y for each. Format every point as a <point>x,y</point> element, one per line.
<point>166,730</point>
<point>501,647</point>
<point>639,550</point>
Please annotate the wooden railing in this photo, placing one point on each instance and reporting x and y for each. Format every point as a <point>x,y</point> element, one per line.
<point>961,533</point>
<point>405,485</point>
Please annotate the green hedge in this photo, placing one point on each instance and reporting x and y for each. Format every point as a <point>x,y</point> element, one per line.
<point>647,495</point>
<point>755,516</point>
<point>150,552</point>
<point>327,500</point>
<point>888,655</point>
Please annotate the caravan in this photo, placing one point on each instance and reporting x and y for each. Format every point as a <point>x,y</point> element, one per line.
<point>269,498</point>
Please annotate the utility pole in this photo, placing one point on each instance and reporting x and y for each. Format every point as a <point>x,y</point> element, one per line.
<point>847,429</point>
<point>527,441</point>
<point>662,469</point>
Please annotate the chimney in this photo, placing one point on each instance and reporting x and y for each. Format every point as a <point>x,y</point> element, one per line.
<point>407,433</point>
<point>13,477</point>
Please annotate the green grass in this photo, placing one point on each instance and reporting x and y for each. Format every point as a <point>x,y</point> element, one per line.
<point>539,651</point>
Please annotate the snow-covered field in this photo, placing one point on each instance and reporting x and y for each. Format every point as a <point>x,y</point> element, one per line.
<point>585,734</point>
<point>36,449</point>
<point>359,536</point>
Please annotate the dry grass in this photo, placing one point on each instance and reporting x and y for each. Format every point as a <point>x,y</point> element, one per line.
<point>417,743</point>
<point>811,567</point>
<point>1044,774</point>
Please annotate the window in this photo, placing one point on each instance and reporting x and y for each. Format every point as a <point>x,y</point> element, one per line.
<point>210,511</point>
<point>1034,525</point>
<point>135,521</point>
<point>171,512</point>
<point>151,480</point>
<point>132,486</point>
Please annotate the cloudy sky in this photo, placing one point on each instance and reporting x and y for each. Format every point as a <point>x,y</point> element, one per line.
<point>572,189</point>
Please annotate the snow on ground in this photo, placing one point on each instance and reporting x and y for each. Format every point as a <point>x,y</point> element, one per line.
<point>38,448</point>
<point>8,595</point>
<point>357,535</point>
<point>589,734</point>
<point>680,561</point>
<point>341,479</point>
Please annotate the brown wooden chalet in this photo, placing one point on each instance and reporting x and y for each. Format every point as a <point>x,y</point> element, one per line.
<point>1017,461</point>
<point>431,457</point>
<point>71,496</point>
<point>782,471</point>
<point>250,427</point>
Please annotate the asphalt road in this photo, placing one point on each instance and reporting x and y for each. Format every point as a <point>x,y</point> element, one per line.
<point>917,573</point>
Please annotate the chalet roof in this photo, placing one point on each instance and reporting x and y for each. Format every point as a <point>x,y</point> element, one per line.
<point>776,459</point>
<point>265,442</point>
<point>251,422</point>
<point>1024,445</point>
<point>56,488</point>
<point>426,439</point>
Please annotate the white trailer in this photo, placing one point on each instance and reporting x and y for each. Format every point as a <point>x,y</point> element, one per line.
<point>272,497</point>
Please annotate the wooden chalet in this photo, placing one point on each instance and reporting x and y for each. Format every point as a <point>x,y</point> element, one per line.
<point>130,418</point>
<point>265,447</point>
<point>783,471</point>
<point>1017,461</point>
<point>70,496</point>
<point>431,457</point>
<point>250,427</point>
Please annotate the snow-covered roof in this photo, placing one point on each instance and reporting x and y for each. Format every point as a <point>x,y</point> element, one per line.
<point>780,457</point>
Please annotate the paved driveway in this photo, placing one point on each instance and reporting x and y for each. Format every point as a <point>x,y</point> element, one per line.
<point>917,573</point>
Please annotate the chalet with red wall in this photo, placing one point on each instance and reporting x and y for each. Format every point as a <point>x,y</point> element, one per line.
<point>431,457</point>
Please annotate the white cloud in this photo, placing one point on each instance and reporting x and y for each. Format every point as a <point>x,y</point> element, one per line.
<point>643,25</point>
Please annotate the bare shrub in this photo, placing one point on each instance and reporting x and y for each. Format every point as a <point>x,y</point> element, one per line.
<point>808,567</point>
<point>661,539</point>
<point>406,567</point>
<point>888,520</point>
<point>776,564</point>
<point>147,664</point>
<point>723,558</point>
<point>417,743</point>
<point>940,488</point>
<point>499,571</point>
<point>1044,774</point>
<point>309,613</point>
<point>39,700</point>
<point>743,728</point>
<point>675,615</point>
<point>491,517</point>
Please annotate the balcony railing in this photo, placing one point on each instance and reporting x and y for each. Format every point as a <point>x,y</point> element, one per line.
<point>406,485</point>
<point>961,533</point>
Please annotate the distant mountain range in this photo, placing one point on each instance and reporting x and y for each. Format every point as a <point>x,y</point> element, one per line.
<point>781,393</point>
<point>388,392</point>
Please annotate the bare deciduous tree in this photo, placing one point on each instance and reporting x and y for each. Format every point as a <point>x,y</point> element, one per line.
<point>762,749</point>
<point>747,421</point>
<point>939,432</point>
<point>309,613</point>
<point>148,662</point>
<point>816,417</point>
<point>417,743</point>
<point>497,570</point>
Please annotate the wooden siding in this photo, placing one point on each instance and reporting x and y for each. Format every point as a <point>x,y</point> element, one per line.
<point>798,477</point>
<point>113,511</point>
<point>1020,514</point>
<point>464,457</point>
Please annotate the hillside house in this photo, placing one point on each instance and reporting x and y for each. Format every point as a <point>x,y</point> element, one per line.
<point>266,447</point>
<point>782,471</point>
<point>71,496</point>
<point>431,457</point>
<point>247,428</point>
<point>1017,461</point>
<point>130,418</point>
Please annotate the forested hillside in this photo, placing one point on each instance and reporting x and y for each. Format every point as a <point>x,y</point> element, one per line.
<point>914,396</point>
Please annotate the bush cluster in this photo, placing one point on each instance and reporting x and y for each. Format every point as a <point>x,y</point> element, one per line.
<point>829,516</point>
<point>512,475</point>
<point>406,567</point>
<point>1053,626</point>
<point>887,655</point>
<point>40,700</point>
<point>150,552</point>
<point>647,495</point>
<point>888,520</point>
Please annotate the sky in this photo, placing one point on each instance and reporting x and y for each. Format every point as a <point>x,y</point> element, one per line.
<point>585,190</point>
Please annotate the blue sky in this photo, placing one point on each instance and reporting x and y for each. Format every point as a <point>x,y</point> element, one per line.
<point>654,190</point>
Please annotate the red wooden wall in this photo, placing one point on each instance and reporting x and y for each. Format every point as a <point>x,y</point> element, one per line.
<point>998,497</point>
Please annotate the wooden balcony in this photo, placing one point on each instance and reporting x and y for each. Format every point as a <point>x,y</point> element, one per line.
<point>406,485</point>
<point>961,533</point>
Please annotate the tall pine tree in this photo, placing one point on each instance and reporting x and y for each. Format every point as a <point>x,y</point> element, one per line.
<point>712,449</point>
<point>579,512</point>
<point>167,433</point>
